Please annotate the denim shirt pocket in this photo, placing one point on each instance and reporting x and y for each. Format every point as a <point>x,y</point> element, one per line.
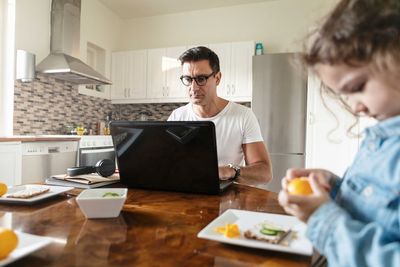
<point>371,193</point>
<point>373,203</point>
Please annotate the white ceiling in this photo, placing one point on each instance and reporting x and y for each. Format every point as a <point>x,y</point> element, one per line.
<point>128,9</point>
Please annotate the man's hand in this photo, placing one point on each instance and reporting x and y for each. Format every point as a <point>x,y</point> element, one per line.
<point>257,169</point>
<point>226,172</point>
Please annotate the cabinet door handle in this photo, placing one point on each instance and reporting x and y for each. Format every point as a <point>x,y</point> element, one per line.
<point>229,89</point>
<point>167,90</point>
<point>129,92</point>
<point>233,89</point>
<point>163,91</point>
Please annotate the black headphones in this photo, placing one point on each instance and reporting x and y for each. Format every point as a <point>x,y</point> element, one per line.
<point>104,167</point>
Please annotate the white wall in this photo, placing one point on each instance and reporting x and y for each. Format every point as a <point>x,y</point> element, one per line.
<point>32,27</point>
<point>280,25</point>
<point>100,26</point>
<point>2,63</point>
<point>1,38</point>
<point>7,67</point>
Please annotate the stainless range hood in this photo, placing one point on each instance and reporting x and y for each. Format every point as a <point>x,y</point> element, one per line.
<point>63,62</point>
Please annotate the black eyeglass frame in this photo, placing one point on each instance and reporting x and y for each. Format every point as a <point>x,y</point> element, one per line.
<point>206,77</point>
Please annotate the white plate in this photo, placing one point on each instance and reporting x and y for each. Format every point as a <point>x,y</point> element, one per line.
<point>247,220</point>
<point>27,244</point>
<point>54,190</point>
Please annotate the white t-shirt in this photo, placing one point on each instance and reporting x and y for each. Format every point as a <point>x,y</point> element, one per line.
<point>234,125</point>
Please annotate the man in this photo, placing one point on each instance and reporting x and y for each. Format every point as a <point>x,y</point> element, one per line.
<point>239,138</point>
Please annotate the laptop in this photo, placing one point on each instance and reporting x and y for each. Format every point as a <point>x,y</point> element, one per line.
<point>168,155</point>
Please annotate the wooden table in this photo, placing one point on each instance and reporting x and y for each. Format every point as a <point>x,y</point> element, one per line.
<point>154,229</point>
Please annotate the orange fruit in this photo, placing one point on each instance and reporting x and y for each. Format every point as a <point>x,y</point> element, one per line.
<point>230,230</point>
<point>299,186</point>
<point>3,189</point>
<point>8,242</point>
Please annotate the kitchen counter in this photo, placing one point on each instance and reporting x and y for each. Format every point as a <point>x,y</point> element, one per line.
<point>40,138</point>
<point>155,228</point>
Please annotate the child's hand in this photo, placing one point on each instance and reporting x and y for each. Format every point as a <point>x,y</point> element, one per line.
<point>303,206</point>
<point>324,177</point>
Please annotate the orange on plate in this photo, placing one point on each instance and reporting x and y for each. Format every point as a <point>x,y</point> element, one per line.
<point>299,186</point>
<point>230,230</point>
<point>3,189</point>
<point>8,242</point>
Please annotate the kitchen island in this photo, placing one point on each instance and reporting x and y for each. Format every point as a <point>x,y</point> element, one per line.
<point>154,229</point>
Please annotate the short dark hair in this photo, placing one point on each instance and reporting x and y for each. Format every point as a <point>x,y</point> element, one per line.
<point>201,53</point>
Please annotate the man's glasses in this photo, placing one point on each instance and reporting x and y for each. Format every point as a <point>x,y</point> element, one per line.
<point>200,80</point>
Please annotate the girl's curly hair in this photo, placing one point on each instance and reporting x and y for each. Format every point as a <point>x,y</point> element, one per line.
<point>362,31</point>
<point>356,32</point>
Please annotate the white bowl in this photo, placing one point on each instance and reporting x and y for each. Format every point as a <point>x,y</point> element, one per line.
<point>94,204</point>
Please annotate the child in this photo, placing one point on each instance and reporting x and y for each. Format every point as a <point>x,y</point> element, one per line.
<point>355,221</point>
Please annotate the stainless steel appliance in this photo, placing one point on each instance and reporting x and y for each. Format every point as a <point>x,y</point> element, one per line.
<point>93,148</point>
<point>40,160</point>
<point>279,103</point>
<point>63,62</point>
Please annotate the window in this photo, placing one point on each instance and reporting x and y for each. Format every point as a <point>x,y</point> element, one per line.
<point>95,58</point>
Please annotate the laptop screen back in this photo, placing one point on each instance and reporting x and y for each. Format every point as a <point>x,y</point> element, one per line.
<point>173,156</point>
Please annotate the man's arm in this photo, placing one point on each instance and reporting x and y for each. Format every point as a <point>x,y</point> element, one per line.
<point>258,165</point>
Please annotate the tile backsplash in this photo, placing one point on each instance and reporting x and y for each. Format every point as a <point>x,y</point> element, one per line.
<point>151,111</point>
<point>49,106</point>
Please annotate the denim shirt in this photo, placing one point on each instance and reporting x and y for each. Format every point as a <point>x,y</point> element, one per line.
<point>360,226</point>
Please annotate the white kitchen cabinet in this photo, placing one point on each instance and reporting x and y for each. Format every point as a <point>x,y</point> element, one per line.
<point>129,75</point>
<point>163,72</point>
<point>327,144</point>
<point>118,65</point>
<point>10,163</point>
<point>152,76</point>
<point>236,68</point>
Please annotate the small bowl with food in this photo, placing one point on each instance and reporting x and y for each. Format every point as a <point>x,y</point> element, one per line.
<point>102,202</point>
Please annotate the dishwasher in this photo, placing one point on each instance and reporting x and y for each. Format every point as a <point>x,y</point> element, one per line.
<point>40,160</point>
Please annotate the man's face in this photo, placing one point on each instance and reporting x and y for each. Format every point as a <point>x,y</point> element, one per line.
<point>202,94</point>
<point>375,94</point>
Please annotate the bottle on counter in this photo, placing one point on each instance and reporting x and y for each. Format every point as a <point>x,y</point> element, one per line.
<point>101,125</point>
<point>80,130</point>
<point>259,49</point>
<point>107,130</point>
